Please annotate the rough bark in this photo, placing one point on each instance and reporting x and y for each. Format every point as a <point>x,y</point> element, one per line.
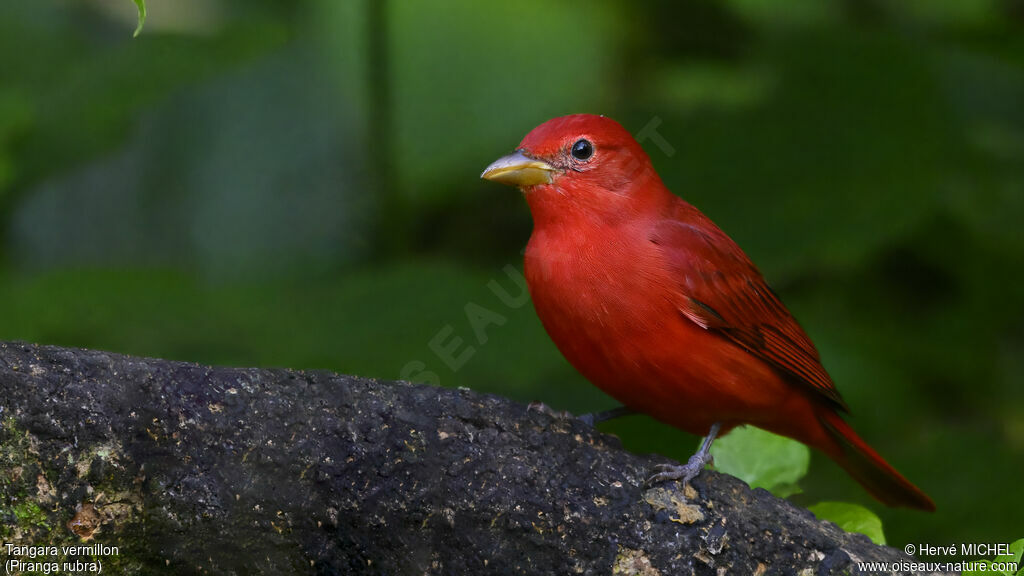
<point>198,469</point>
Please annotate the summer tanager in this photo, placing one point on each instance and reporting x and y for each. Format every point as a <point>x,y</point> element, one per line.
<point>654,304</point>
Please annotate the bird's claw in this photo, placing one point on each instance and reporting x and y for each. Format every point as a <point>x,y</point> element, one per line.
<point>545,409</point>
<point>594,418</point>
<point>684,472</point>
<point>590,419</point>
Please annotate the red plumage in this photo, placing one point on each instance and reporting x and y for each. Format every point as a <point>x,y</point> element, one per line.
<point>658,307</point>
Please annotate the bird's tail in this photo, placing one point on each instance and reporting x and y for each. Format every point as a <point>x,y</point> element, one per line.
<point>865,465</point>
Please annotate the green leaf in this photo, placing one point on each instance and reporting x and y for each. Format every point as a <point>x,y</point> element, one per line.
<point>852,518</point>
<point>141,5</point>
<point>1017,549</point>
<point>762,459</point>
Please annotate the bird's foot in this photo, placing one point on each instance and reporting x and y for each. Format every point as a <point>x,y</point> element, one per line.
<point>692,468</point>
<point>684,472</point>
<point>594,418</point>
<point>545,409</point>
<point>590,419</point>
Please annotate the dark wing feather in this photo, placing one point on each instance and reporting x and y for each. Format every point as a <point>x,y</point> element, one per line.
<point>722,291</point>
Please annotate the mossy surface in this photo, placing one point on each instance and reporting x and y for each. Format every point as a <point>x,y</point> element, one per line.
<point>33,513</point>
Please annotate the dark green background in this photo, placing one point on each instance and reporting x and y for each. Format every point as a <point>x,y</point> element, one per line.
<point>296,184</point>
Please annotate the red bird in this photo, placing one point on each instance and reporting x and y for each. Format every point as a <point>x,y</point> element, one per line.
<point>654,304</point>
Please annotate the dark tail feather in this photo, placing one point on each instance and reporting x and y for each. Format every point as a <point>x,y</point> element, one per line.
<point>865,465</point>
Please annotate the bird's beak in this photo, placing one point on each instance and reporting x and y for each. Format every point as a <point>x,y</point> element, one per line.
<point>518,169</point>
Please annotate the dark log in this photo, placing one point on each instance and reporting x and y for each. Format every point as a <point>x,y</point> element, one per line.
<point>197,469</point>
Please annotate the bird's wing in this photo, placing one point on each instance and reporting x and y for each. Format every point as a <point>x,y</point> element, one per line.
<point>722,291</point>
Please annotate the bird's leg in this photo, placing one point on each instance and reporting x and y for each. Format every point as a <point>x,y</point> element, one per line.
<point>690,470</point>
<point>594,418</point>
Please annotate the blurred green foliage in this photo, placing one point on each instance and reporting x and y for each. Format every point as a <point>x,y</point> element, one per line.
<point>295,183</point>
<point>141,6</point>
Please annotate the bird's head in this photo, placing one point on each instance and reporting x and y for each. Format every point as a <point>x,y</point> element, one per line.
<point>579,163</point>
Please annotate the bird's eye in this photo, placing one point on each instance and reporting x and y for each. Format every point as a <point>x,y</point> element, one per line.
<point>582,149</point>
